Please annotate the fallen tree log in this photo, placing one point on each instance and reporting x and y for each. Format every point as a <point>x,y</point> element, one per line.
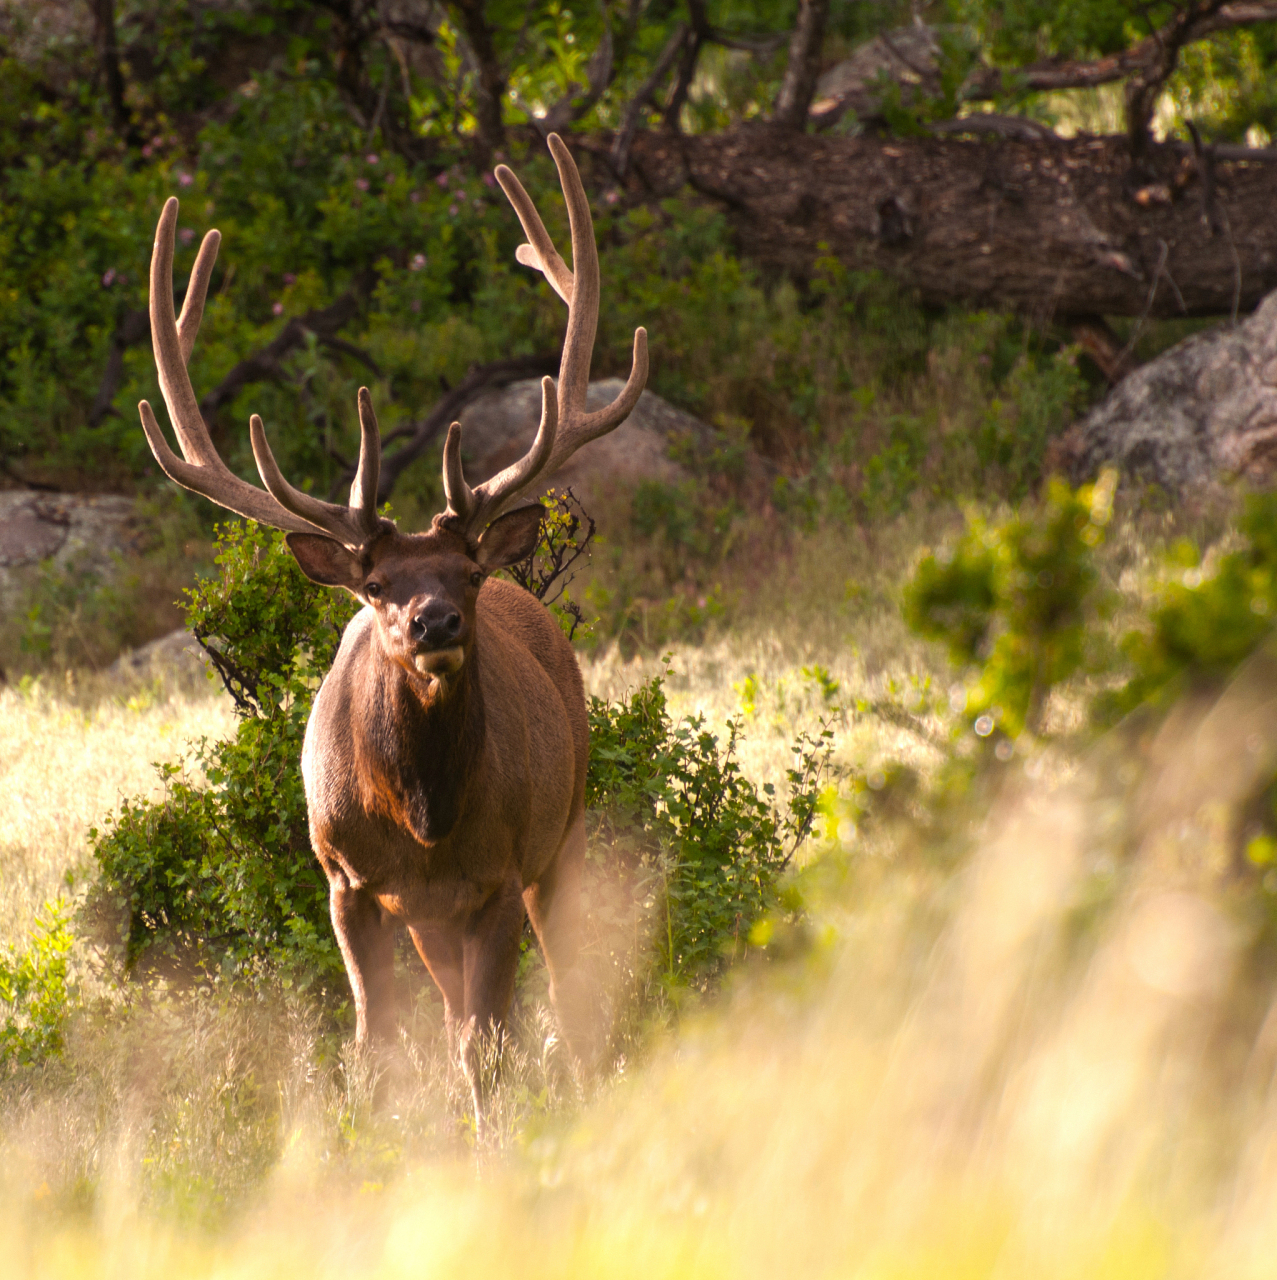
<point>1056,228</point>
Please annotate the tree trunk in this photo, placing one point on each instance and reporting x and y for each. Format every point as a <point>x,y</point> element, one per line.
<point>799,85</point>
<point>1054,228</point>
<point>491,86</point>
<point>109,53</point>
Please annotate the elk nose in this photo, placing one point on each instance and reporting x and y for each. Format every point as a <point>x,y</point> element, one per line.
<point>436,625</point>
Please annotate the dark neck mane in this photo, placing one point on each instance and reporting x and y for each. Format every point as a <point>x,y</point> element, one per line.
<point>420,747</point>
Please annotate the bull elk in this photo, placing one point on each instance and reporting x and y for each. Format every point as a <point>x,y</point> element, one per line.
<point>445,756</point>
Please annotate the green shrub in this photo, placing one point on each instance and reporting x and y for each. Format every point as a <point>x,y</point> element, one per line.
<point>35,994</point>
<point>220,877</point>
<point>1208,620</point>
<point>672,799</point>
<point>1012,601</point>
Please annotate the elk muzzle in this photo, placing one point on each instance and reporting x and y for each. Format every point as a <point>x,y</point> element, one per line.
<point>435,630</point>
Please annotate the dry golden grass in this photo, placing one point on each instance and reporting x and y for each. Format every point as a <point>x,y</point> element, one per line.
<point>1056,1058</point>
<point>963,1079</point>
<point>67,756</point>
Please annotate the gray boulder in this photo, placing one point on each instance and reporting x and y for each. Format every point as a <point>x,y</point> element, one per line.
<point>1204,411</point>
<point>499,426</point>
<point>71,530</point>
<point>176,654</point>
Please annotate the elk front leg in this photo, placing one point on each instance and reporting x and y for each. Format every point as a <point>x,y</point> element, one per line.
<point>440,947</point>
<point>366,936</point>
<point>490,960</point>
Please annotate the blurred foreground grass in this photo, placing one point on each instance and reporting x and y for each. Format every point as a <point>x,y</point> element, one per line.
<point>1054,1056</point>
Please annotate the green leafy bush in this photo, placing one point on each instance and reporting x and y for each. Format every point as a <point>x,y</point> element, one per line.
<point>35,996</point>
<point>1209,619</point>
<point>218,875</point>
<point>1013,601</point>
<point>671,798</point>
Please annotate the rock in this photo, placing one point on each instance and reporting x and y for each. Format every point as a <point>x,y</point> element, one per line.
<point>178,653</point>
<point>1201,412</point>
<point>72,530</point>
<point>908,57</point>
<point>498,428</point>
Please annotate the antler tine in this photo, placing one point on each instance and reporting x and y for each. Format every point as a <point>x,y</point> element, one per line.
<point>474,508</point>
<point>351,525</point>
<point>579,288</point>
<point>202,470</point>
<point>188,323</point>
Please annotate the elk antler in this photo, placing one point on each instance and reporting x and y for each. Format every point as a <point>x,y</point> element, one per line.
<point>565,424</point>
<point>203,471</point>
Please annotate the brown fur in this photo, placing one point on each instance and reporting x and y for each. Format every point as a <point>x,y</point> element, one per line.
<point>446,752</point>
<point>450,803</point>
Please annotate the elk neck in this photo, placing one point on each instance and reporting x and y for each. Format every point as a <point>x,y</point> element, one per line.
<point>421,744</point>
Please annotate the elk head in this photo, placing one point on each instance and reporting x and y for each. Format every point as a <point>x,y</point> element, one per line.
<point>422,588</point>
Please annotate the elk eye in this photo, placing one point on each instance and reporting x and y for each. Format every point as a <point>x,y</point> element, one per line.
<point>372,590</point>
<point>476,578</point>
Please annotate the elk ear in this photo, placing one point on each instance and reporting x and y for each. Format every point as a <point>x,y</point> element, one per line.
<point>327,562</point>
<point>510,539</point>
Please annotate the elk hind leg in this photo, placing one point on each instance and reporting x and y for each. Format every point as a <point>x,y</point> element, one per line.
<point>554,907</point>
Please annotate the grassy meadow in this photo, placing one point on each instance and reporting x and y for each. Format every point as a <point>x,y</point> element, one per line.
<point>1007,1010</point>
<point>1050,1052</point>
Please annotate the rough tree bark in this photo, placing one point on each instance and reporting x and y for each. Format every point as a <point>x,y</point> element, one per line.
<point>1056,228</point>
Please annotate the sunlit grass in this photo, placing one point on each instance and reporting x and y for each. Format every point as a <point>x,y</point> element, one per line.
<point>1053,1056</point>
<point>67,756</point>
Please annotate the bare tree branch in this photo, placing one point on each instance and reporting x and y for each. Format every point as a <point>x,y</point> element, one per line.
<point>266,365</point>
<point>1041,77</point>
<point>1144,85</point>
<point>633,112</point>
<point>424,433</point>
<point>1096,337</point>
<point>691,51</point>
<point>799,85</point>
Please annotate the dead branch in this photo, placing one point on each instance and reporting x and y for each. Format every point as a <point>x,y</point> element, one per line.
<point>267,364</point>
<point>424,433</point>
<point>633,112</point>
<point>799,85</point>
